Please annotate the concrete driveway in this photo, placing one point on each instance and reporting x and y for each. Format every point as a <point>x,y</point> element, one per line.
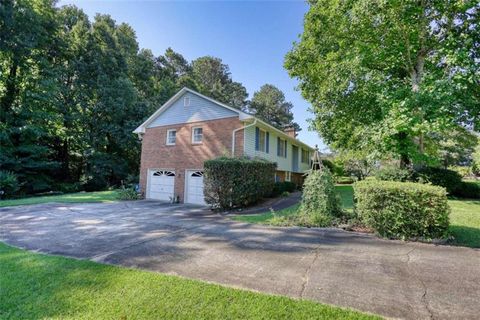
<point>391,278</point>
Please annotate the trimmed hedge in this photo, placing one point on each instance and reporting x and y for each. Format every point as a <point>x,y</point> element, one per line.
<point>281,187</point>
<point>402,210</point>
<point>237,182</point>
<point>468,190</point>
<point>448,179</point>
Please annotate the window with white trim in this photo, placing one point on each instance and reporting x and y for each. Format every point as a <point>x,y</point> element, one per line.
<point>197,135</point>
<point>186,101</point>
<point>171,137</point>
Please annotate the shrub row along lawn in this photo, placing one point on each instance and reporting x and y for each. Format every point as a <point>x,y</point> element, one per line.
<point>464,218</point>
<point>100,196</point>
<point>36,286</point>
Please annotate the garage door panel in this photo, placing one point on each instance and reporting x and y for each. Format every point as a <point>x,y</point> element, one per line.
<point>161,185</point>
<point>195,187</point>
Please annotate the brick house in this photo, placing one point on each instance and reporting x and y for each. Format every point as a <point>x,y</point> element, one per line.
<point>191,128</point>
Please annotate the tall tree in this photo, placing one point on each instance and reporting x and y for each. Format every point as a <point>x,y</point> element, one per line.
<point>27,87</point>
<point>269,105</point>
<point>212,78</point>
<point>392,75</point>
<point>73,90</point>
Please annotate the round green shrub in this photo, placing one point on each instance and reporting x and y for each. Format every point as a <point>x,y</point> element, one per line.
<point>402,210</point>
<point>468,190</point>
<point>448,179</point>
<point>319,201</point>
<point>394,174</point>
<point>8,183</point>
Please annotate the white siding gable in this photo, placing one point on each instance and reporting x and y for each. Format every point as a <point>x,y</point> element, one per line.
<point>199,109</point>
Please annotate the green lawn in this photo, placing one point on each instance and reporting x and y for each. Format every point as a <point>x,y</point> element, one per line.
<point>464,219</point>
<point>99,196</point>
<point>465,222</point>
<point>36,286</point>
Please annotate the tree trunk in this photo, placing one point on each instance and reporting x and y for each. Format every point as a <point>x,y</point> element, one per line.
<point>416,79</point>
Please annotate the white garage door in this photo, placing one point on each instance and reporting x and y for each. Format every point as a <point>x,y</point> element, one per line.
<point>195,187</point>
<point>161,183</point>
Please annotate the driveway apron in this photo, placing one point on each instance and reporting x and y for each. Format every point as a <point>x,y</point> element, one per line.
<point>391,278</point>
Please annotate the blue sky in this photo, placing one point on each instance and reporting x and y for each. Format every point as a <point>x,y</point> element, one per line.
<point>252,37</point>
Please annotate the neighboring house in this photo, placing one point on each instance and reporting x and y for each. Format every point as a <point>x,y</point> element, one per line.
<point>191,128</point>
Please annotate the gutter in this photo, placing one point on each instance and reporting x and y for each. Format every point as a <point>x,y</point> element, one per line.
<point>238,129</point>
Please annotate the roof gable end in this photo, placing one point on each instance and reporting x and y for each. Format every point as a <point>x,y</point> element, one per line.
<point>200,108</point>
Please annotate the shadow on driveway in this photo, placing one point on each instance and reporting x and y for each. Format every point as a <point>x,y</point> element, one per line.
<point>391,278</point>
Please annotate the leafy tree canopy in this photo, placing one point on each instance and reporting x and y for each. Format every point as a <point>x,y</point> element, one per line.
<point>212,78</point>
<point>72,90</point>
<point>390,76</point>
<point>269,105</point>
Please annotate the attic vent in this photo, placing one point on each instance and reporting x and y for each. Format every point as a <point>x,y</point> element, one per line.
<point>186,101</point>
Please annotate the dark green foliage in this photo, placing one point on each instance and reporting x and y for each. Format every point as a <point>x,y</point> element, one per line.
<point>69,187</point>
<point>402,209</point>
<point>72,90</point>
<point>237,182</point>
<point>127,194</point>
<point>212,77</point>
<point>320,204</point>
<point>469,190</point>
<point>8,184</point>
<point>269,105</point>
<point>396,78</point>
<point>329,164</point>
<point>448,179</point>
<point>284,186</point>
<point>395,174</point>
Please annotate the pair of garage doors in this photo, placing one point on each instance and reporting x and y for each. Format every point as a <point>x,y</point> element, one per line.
<point>161,186</point>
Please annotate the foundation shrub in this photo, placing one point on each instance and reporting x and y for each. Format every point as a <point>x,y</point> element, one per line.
<point>237,182</point>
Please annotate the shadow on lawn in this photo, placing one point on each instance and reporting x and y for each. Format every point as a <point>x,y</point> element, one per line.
<point>465,236</point>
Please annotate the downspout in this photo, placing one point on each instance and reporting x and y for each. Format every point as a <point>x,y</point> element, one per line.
<point>238,129</point>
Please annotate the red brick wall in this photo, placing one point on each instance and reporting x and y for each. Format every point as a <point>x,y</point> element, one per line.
<point>217,141</point>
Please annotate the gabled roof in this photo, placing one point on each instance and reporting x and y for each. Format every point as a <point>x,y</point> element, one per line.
<point>166,105</point>
<point>243,116</point>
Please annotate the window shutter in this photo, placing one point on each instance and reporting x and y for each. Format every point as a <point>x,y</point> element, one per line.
<point>278,146</point>
<point>285,148</point>
<point>267,143</point>
<point>257,138</point>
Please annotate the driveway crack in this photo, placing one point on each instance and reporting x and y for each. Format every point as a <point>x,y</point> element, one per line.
<point>306,275</point>
<point>424,297</point>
